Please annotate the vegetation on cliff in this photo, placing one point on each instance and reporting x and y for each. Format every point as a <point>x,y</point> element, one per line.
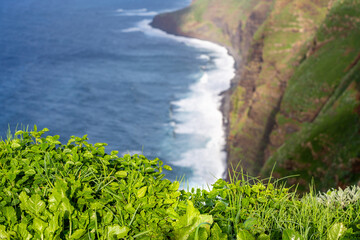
<point>50,190</point>
<point>295,99</point>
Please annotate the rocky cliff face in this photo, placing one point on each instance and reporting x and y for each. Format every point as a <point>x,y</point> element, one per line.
<point>295,98</point>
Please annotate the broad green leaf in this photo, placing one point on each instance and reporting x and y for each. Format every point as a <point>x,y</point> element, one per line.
<point>199,234</point>
<point>172,213</point>
<point>129,208</point>
<point>188,223</point>
<point>78,234</point>
<point>3,233</point>
<point>121,174</point>
<point>141,192</point>
<point>191,213</point>
<point>174,186</point>
<point>116,232</point>
<point>58,199</point>
<point>216,233</point>
<point>336,231</point>
<point>108,218</point>
<point>34,204</point>
<point>10,214</point>
<point>30,172</point>
<point>15,145</point>
<point>263,236</point>
<point>22,232</point>
<point>88,155</point>
<point>39,226</point>
<point>53,225</point>
<point>243,234</point>
<point>167,167</point>
<point>19,132</point>
<point>261,199</point>
<point>249,223</point>
<point>149,170</point>
<point>290,234</point>
<point>247,190</point>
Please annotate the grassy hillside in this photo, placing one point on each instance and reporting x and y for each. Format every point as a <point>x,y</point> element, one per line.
<point>295,99</point>
<point>275,53</point>
<point>317,131</point>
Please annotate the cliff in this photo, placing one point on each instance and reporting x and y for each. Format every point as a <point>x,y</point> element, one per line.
<point>295,98</point>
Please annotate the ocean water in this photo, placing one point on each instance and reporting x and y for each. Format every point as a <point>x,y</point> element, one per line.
<point>97,68</point>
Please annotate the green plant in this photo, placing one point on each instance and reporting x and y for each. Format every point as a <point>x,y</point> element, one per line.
<point>77,191</point>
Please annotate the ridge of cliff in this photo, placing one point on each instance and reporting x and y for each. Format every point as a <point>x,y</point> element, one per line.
<point>295,98</point>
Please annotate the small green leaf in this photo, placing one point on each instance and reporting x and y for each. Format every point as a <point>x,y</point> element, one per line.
<point>249,223</point>
<point>121,174</point>
<point>30,172</point>
<point>108,218</point>
<point>172,213</point>
<point>217,234</point>
<point>336,231</point>
<point>141,192</point>
<point>19,132</point>
<point>167,167</point>
<point>129,208</point>
<point>149,170</point>
<point>78,234</point>
<point>263,236</point>
<point>244,235</point>
<point>174,186</point>
<point>15,145</point>
<point>117,232</point>
<point>88,155</point>
<point>290,234</point>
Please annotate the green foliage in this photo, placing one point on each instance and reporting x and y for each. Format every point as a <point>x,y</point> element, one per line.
<point>336,231</point>
<point>76,191</point>
<point>189,225</point>
<point>290,234</point>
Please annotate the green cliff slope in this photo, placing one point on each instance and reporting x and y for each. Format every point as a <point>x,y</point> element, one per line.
<point>295,99</point>
<point>317,132</point>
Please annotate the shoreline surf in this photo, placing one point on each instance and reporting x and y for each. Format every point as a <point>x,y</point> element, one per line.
<point>204,101</point>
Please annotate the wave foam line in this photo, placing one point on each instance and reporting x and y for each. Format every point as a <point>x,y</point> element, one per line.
<point>135,12</point>
<point>199,114</point>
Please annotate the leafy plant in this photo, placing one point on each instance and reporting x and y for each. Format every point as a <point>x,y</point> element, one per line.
<point>49,190</point>
<point>77,191</point>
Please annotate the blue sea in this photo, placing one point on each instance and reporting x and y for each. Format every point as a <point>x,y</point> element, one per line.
<point>97,67</point>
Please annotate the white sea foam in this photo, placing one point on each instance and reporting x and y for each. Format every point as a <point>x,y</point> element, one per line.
<point>204,57</point>
<point>135,12</point>
<point>134,29</point>
<point>198,113</point>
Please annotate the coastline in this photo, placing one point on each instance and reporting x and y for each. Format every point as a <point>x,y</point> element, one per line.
<point>171,27</point>
<point>208,161</point>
